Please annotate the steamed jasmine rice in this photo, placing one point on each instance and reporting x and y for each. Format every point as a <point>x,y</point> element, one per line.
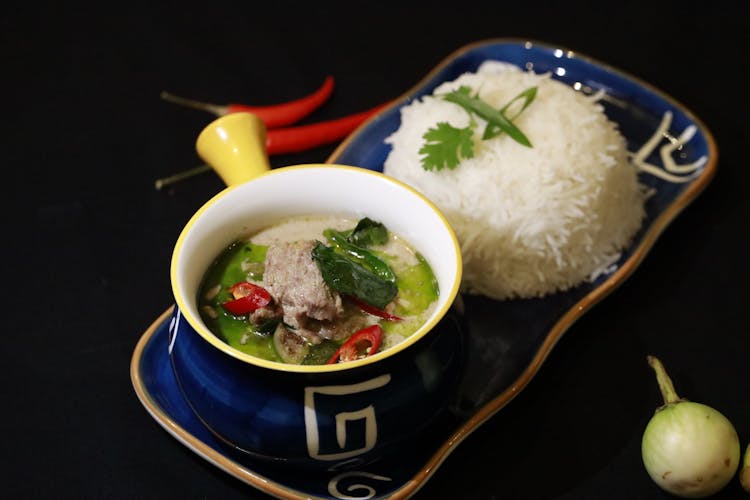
<point>531,221</point>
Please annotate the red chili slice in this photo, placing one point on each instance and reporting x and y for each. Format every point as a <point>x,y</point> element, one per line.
<point>361,344</point>
<point>247,298</point>
<point>374,310</point>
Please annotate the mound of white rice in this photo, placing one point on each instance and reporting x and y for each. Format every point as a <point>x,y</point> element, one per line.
<point>531,221</point>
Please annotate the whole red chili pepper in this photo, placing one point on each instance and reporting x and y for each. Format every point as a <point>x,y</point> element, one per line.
<point>274,115</point>
<point>303,137</point>
<point>294,139</point>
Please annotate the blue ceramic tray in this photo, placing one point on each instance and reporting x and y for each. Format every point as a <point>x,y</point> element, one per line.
<point>507,341</point>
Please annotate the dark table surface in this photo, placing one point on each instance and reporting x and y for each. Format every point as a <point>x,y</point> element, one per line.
<point>89,239</point>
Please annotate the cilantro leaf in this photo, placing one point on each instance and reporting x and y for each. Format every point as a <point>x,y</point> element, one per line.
<point>444,144</point>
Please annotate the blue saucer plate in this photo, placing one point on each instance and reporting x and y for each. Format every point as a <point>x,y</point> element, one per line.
<point>396,475</point>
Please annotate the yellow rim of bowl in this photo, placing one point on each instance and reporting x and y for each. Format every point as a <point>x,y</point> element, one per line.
<point>197,324</point>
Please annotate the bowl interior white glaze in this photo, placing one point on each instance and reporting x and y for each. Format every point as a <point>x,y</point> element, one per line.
<point>285,192</point>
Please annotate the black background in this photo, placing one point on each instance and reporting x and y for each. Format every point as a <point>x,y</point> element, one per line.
<point>88,238</point>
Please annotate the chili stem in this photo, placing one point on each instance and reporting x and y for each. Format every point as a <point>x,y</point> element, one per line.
<point>191,103</point>
<point>172,179</point>
<point>665,383</point>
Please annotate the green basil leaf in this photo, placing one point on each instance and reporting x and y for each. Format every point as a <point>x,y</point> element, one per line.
<point>367,233</point>
<point>362,256</point>
<point>351,278</point>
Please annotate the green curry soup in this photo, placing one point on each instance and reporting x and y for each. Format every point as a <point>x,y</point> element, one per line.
<point>316,290</point>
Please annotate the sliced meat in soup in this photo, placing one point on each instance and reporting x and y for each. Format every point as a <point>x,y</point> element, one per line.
<point>296,284</point>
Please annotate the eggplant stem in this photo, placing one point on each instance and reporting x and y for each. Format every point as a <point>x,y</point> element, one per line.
<point>665,383</point>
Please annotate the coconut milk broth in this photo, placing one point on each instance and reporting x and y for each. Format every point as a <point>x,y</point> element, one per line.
<point>401,257</point>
